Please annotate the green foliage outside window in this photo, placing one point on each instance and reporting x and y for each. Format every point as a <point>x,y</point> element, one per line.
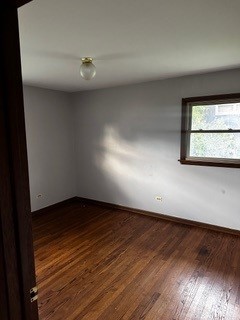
<point>219,145</point>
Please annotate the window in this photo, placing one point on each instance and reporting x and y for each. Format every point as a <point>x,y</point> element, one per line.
<point>211,131</point>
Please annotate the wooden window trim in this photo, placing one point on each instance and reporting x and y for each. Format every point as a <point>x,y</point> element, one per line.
<point>186,119</point>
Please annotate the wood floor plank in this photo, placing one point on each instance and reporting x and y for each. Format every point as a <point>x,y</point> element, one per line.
<point>95,263</point>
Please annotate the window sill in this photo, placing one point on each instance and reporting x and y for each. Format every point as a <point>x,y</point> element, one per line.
<point>228,164</point>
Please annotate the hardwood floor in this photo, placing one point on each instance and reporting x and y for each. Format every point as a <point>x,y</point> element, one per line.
<point>102,264</point>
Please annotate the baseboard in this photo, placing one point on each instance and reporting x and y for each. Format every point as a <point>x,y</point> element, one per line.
<point>160,216</point>
<point>138,211</point>
<point>55,206</point>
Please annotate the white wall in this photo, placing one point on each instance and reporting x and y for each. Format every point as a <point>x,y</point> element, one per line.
<point>128,146</point>
<point>50,142</point>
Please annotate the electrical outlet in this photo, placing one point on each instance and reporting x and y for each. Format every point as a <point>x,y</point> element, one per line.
<point>158,198</point>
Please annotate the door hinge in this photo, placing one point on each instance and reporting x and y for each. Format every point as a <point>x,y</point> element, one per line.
<point>34,294</point>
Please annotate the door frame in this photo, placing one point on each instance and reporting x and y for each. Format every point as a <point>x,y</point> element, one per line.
<point>16,244</point>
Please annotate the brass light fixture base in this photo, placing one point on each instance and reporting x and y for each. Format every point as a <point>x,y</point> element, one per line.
<point>87,60</point>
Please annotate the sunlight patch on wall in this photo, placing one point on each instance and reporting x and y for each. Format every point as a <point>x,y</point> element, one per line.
<point>118,157</point>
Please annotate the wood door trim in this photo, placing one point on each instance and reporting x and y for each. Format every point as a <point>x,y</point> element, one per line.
<point>20,3</point>
<point>4,307</point>
<point>15,200</point>
<point>9,252</point>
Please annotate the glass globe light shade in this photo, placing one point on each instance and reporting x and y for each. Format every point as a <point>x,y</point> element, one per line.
<point>87,69</point>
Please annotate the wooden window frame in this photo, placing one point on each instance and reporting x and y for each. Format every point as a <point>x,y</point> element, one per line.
<point>187,104</point>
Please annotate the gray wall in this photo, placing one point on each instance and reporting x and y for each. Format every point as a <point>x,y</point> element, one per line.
<point>128,145</point>
<point>50,142</point>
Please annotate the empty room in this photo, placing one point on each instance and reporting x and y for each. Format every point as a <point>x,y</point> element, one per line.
<point>121,151</point>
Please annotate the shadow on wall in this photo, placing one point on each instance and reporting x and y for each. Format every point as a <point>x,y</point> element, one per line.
<point>121,148</point>
<point>128,154</point>
<point>128,144</point>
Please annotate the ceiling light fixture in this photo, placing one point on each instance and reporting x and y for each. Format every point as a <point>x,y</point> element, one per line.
<point>87,69</point>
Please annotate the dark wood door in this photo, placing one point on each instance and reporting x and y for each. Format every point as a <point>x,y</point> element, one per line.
<point>16,244</point>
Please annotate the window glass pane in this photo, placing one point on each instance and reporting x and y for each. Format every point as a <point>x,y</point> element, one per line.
<point>215,145</point>
<point>216,117</point>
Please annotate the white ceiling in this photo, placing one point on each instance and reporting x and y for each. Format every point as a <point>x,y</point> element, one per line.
<point>132,40</point>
